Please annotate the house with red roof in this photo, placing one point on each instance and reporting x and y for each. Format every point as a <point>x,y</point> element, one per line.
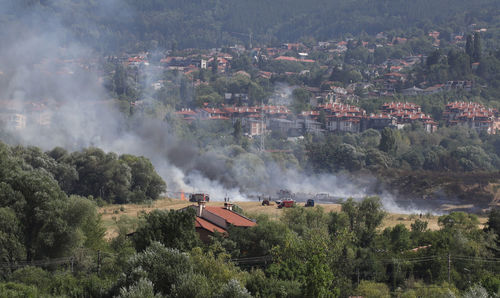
<point>211,113</point>
<point>213,219</point>
<point>222,64</point>
<point>472,115</point>
<point>186,114</point>
<point>293,59</point>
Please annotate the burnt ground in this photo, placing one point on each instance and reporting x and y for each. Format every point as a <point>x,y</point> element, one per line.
<point>467,191</point>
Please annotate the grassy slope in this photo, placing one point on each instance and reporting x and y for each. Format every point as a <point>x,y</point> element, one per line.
<point>112,213</point>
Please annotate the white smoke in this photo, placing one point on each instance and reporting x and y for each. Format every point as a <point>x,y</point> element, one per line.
<point>282,94</point>
<point>49,70</point>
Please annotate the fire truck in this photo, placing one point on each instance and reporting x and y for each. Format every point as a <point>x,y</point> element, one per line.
<point>286,204</point>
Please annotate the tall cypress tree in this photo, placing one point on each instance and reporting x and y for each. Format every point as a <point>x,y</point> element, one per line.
<point>477,48</point>
<point>215,65</point>
<point>469,46</point>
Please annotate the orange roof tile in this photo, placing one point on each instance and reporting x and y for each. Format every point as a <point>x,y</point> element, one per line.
<point>231,217</point>
<point>204,224</point>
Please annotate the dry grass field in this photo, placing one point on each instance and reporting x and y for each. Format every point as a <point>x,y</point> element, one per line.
<point>112,213</point>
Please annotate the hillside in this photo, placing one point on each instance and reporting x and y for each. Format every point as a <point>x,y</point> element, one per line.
<point>168,24</point>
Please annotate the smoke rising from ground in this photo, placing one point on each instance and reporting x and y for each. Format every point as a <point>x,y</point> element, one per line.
<point>46,74</point>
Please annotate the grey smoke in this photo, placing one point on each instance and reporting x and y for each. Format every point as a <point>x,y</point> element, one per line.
<point>36,67</point>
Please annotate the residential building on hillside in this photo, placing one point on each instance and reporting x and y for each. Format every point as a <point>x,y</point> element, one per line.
<point>472,115</point>
<point>378,121</point>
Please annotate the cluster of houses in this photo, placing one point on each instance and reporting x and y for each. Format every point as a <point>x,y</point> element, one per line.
<point>472,115</point>
<point>448,86</point>
<point>335,116</point>
<point>384,78</point>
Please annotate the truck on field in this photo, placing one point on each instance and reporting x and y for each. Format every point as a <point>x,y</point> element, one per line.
<point>286,204</point>
<point>199,197</point>
<point>309,203</point>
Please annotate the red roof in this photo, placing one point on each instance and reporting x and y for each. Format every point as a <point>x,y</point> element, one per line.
<point>218,117</point>
<point>380,116</point>
<point>204,224</point>
<point>286,58</point>
<point>213,110</point>
<point>394,74</point>
<point>310,113</point>
<point>186,112</point>
<point>231,217</point>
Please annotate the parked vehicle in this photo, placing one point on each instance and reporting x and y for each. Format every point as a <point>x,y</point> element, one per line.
<point>199,197</point>
<point>309,203</point>
<point>286,204</point>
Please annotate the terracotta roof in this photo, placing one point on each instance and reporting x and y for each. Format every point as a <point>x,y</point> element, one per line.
<point>231,217</point>
<point>286,58</point>
<point>204,224</point>
<point>394,74</point>
<point>218,117</point>
<point>213,110</point>
<point>186,112</point>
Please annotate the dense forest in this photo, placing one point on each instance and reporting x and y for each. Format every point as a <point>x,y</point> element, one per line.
<point>128,25</point>
<point>53,245</point>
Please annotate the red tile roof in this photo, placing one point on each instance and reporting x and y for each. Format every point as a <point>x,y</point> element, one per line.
<point>286,58</point>
<point>213,110</point>
<point>204,224</point>
<point>231,217</point>
<point>218,117</point>
<point>186,112</point>
<point>394,74</point>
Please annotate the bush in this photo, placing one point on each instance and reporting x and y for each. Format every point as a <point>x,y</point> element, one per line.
<point>369,289</point>
<point>15,290</point>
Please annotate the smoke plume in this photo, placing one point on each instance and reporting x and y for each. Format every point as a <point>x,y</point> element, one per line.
<point>53,84</point>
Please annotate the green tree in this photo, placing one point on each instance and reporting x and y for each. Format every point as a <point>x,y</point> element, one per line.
<point>308,260</point>
<point>300,100</point>
<point>172,228</point>
<point>469,46</point>
<point>215,65</point>
<point>476,56</point>
<point>257,240</point>
<point>120,80</point>
<point>146,184</point>
<point>493,223</point>
<point>371,289</point>
<point>40,205</point>
<point>11,246</point>
<point>434,58</point>
<point>164,267</point>
<point>142,288</point>
<point>237,133</point>
<point>388,141</point>
<point>364,217</point>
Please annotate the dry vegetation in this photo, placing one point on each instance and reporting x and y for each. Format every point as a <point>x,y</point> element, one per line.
<point>112,213</point>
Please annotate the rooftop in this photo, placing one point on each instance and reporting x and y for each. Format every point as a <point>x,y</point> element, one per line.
<point>231,217</point>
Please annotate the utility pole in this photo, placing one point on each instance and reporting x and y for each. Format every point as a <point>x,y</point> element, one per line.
<point>249,35</point>
<point>262,131</point>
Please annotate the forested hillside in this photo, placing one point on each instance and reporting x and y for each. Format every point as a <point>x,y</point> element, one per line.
<point>115,25</point>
